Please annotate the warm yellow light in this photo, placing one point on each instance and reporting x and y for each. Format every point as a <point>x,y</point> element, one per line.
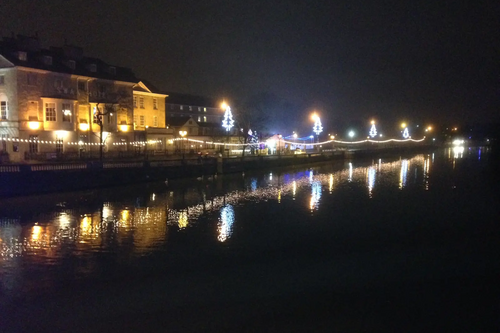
<point>124,128</point>
<point>373,122</point>
<point>403,125</point>
<point>223,106</point>
<point>84,127</point>
<point>314,116</point>
<point>183,220</point>
<point>332,137</point>
<point>36,232</point>
<point>34,125</point>
<point>182,133</point>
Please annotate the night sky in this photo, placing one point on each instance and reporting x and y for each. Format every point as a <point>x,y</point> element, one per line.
<point>419,61</point>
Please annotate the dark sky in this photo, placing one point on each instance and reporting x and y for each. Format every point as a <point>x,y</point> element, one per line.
<point>419,61</point>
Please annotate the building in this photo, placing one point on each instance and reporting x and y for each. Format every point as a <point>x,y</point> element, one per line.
<point>149,118</point>
<point>57,101</point>
<point>201,109</point>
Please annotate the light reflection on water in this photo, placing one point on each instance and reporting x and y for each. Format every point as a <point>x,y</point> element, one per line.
<point>116,223</point>
<point>140,225</point>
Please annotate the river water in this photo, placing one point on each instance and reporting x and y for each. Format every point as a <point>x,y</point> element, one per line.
<point>405,243</point>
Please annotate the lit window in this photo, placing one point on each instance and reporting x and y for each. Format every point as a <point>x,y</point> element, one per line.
<point>3,141</point>
<point>204,109</point>
<point>3,110</point>
<point>66,112</point>
<point>97,117</point>
<point>199,118</point>
<point>59,146</point>
<point>141,102</point>
<point>155,103</point>
<point>155,121</point>
<point>199,109</point>
<point>142,120</point>
<point>135,120</point>
<point>33,145</point>
<point>182,107</point>
<point>204,119</point>
<point>50,112</point>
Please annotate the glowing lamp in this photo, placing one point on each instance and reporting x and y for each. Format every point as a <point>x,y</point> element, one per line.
<point>33,125</point>
<point>124,128</point>
<point>84,127</point>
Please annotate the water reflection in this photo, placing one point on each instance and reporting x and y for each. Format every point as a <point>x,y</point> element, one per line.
<point>225,225</point>
<point>141,223</point>
<point>371,180</point>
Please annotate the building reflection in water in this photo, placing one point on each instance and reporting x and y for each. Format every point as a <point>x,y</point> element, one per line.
<point>143,222</point>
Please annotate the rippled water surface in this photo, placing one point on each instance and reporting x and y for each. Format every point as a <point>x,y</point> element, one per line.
<point>258,241</point>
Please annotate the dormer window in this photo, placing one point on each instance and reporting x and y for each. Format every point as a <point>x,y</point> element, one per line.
<point>23,56</point>
<point>112,70</point>
<point>93,68</point>
<point>72,64</point>
<point>47,60</point>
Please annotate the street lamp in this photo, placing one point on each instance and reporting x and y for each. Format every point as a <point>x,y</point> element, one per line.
<point>351,134</point>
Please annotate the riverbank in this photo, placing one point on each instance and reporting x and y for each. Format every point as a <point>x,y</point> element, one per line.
<point>24,179</point>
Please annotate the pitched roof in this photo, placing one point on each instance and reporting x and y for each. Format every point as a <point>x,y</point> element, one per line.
<point>178,121</point>
<point>67,59</point>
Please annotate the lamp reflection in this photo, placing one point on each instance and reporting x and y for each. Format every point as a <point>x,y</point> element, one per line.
<point>403,174</point>
<point>35,233</point>
<point>350,172</point>
<point>371,180</point>
<point>226,221</point>
<point>183,220</point>
<point>330,184</point>
<point>315,195</point>
<point>458,152</point>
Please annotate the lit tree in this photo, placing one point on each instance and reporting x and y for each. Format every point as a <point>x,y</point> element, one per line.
<point>373,130</point>
<point>406,134</point>
<point>228,121</point>
<point>317,128</point>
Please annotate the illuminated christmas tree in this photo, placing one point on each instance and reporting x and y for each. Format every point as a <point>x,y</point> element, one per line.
<point>406,134</point>
<point>373,130</point>
<point>317,128</point>
<point>228,121</point>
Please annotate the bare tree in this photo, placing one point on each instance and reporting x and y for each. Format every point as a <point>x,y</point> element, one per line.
<point>104,110</point>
